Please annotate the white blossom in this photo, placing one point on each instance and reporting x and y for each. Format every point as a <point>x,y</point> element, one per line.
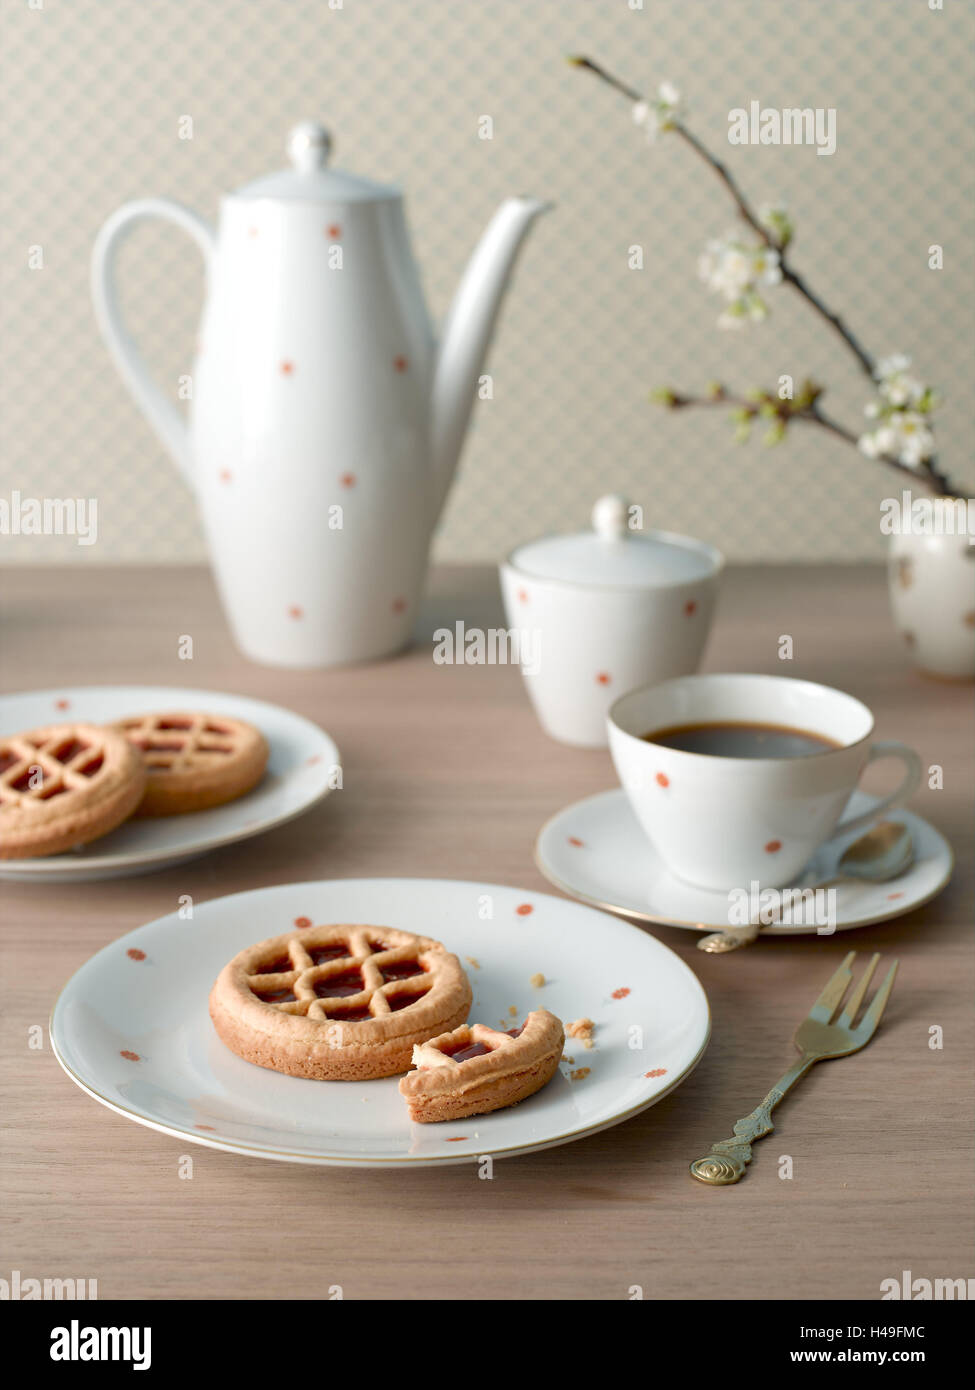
<point>902,390</point>
<point>661,114</point>
<point>904,436</point>
<point>902,409</point>
<point>915,442</point>
<point>737,271</point>
<point>897,386</point>
<point>867,444</point>
<point>891,366</point>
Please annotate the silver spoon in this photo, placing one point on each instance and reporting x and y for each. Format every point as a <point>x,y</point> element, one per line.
<point>884,852</point>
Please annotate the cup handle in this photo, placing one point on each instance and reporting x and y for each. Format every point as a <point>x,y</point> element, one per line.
<point>887,748</point>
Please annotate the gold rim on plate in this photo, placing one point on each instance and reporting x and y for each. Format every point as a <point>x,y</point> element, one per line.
<point>343,1161</point>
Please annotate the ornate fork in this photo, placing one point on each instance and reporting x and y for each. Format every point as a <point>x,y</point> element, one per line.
<point>817,1038</point>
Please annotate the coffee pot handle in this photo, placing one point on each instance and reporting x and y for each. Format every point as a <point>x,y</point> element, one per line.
<point>887,748</point>
<point>159,410</point>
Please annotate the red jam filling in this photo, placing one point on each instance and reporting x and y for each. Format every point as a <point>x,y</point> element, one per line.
<point>89,769</point>
<point>401,1001</point>
<point>174,724</point>
<point>50,789</point>
<point>277,967</point>
<point>401,970</point>
<point>515,1032</point>
<point>338,986</point>
<point>277,996</point>
<point>350,1015</point>
<point>320,954</point>
<point>7,760</point>
<point>466,1053</point>
<point>70,750</point>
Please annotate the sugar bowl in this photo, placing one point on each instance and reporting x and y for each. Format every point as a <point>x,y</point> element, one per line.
<point>608,609</point>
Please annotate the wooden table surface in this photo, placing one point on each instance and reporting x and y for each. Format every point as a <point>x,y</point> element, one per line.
<point>448,775</point>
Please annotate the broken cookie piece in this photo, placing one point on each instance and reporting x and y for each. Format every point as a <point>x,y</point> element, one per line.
<point>476,1069</point>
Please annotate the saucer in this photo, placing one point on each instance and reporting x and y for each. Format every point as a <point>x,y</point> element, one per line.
<point>132,1029</point>
<point>299,773</point>
<point>596,851</point>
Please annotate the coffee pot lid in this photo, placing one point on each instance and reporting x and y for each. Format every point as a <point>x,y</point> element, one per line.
<point>617,554</point>
<point>310,180</point>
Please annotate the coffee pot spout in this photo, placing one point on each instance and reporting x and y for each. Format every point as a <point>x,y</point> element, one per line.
<point>468,331</point>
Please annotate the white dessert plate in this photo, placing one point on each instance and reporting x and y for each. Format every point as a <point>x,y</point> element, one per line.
<point>133,1030</point>
<point>300,771</point>
<point>596,851</point>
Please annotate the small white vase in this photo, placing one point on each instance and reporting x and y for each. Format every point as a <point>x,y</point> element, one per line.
<point>932,594</point>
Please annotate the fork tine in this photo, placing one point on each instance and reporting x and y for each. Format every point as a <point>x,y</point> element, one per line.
<point>846,1018</point>
<point>827,1003</point>
<point>877,1005</point>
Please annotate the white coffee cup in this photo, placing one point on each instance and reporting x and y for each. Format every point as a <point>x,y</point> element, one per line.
<point>722,823</point>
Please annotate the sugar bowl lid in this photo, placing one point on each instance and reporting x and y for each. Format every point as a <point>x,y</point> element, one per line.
<point>617,554</point>
<point>310,180</point>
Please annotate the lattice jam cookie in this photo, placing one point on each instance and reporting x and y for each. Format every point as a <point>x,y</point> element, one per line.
<point>64,785</point>
<point>194,761</point>
<point>474,1070</point>
<point>338,1003</point>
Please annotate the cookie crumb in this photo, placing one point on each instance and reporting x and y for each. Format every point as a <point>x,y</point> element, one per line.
<point>512,1011</point>
<point>476,964</point>
<point>582,1029</point>
<point>571,1060</point>
<point>537,980</point>
<point>579,1074</point>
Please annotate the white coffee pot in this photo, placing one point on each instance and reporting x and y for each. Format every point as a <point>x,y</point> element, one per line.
<point>325,422</point>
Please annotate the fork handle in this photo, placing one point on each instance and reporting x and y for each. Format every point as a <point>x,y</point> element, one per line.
<point>727,1159</point>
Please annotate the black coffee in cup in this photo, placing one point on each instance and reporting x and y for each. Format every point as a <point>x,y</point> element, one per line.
<point>727,739</point>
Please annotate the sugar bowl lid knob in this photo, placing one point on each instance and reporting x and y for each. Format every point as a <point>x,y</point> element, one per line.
<point>610,516</point>
<point>309,146</point>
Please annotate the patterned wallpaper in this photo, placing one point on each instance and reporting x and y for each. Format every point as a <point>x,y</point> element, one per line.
<point>94,94</point>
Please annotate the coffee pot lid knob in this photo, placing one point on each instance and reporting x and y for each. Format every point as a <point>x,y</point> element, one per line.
<point>311,179</point>
<point>309,146</point>
<point>610,516</point>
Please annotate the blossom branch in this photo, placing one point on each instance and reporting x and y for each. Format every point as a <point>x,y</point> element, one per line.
<point>781,413</point>
<point>789,275</point>
<point>901,437</point>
